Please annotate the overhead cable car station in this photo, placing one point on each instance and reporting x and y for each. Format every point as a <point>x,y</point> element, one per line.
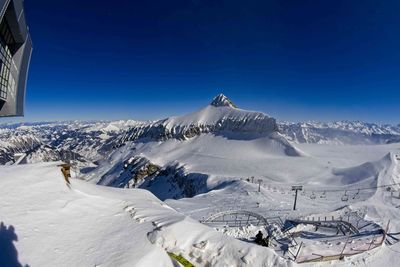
<point>15,54</point>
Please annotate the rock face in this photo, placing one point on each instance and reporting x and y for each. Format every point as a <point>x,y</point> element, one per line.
<point>130,174</point>
<point>170,182</point>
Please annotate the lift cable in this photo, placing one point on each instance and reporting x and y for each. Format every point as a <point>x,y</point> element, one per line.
<point>349,189</point>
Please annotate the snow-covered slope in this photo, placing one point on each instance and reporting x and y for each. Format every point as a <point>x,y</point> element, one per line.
<point>46,223</point>
<point>219,139</point>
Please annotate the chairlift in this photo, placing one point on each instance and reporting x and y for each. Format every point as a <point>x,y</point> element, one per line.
<point>303,193</point>
<point>345,197</point>
<point>323,195</point>
<point>358,192</point>
<point>313,196</point>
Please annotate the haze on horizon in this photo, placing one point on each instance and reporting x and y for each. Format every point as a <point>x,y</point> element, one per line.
<point>297,61</point>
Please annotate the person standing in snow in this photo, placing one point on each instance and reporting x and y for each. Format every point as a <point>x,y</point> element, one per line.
<point>259,238</point>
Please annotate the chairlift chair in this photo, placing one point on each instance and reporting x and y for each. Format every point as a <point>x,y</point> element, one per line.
<point>313,196</point>
<point>358,192</point>
<point>323,195</point>
<point>345,197</point>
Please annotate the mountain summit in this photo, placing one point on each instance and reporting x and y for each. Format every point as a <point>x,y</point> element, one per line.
<point>222,101</point>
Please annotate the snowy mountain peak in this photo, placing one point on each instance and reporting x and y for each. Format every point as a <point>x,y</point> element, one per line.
<point>222,101</point>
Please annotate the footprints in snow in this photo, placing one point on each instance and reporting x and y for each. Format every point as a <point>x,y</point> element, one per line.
<point>132,213</point>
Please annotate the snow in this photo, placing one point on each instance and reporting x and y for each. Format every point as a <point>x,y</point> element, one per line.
<point>221,100</point>
<point>90,225</point>
<point>340,132</point>
<point>224,118</point>
<point>220,154</point>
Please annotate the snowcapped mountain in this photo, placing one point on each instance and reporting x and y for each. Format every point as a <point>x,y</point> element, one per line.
<point>221,116</point>
<point>222,101</point>
<point>220,130</point>
<point>49,141</point>
<point>342,132</point>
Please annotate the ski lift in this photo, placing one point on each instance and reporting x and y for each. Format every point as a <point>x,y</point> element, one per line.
<point>345,197</point>
<point>358,192</point>
<point>323,195</point>
<point>303,193</point>
<point>313,196</point>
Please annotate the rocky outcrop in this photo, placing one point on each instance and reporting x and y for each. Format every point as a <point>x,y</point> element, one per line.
<point>171,182</point>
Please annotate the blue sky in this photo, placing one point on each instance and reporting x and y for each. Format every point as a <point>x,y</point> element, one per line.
<point>295,60</point>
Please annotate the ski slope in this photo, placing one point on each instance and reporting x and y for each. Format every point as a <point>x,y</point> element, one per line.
<point>91,225</point>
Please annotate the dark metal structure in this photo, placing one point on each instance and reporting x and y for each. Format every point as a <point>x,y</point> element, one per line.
<point>15,55</point>
<point>236,218</point>
<point>296,189</point>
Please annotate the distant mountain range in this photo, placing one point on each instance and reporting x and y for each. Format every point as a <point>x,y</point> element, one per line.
<point>92,141</point>
<point>340,132</point>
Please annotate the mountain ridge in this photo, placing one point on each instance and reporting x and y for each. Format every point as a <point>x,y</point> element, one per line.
<point>92,140</point>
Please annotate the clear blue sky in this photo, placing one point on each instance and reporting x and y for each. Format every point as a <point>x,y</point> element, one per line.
<point>295,60</point>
